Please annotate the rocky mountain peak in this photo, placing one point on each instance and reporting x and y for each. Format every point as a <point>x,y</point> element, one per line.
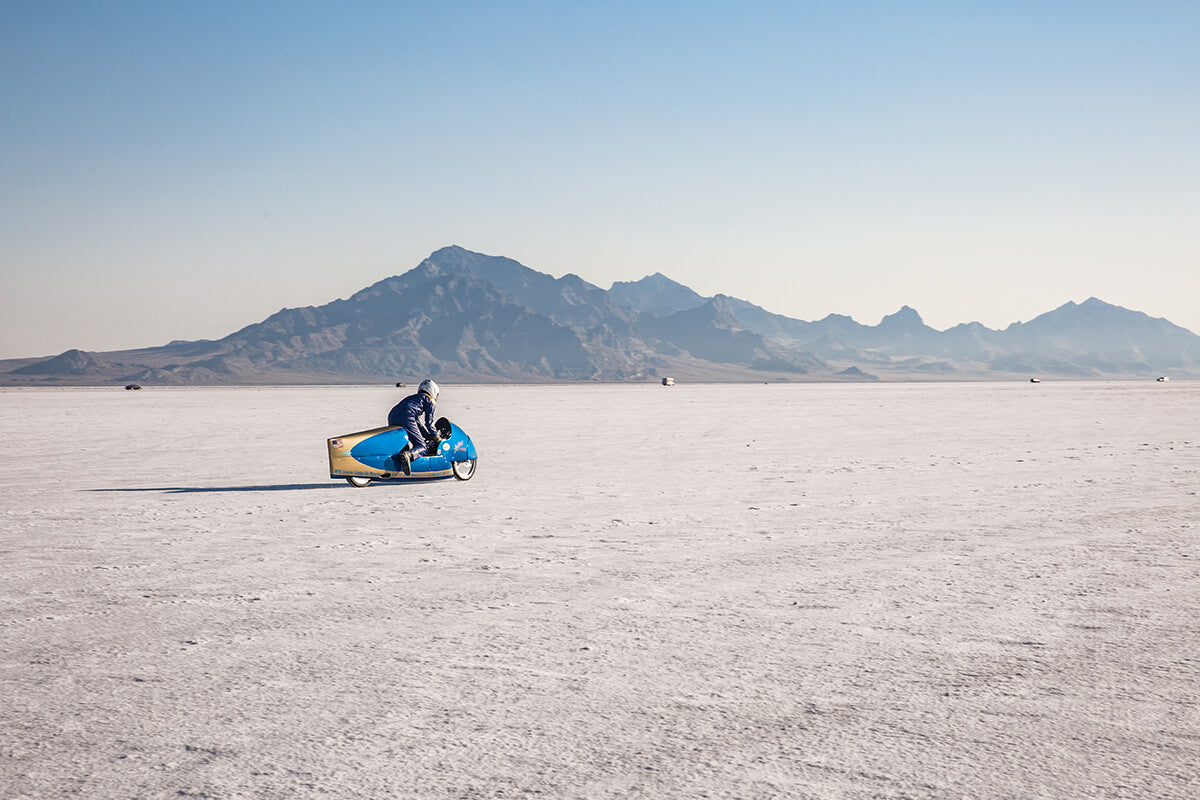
<point>906,319</point>
<point>655,294</point>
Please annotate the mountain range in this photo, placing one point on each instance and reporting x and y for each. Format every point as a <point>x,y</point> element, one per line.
<point>461,316</point>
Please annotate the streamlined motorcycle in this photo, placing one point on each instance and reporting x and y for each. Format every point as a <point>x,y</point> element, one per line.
<point>374,455</point>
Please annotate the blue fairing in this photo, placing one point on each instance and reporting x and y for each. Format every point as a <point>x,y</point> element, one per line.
<point>459,446</point>
<point>380,451</point>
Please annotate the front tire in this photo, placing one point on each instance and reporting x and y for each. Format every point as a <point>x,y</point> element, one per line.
<point>463,470</point>
<point>357,482</point>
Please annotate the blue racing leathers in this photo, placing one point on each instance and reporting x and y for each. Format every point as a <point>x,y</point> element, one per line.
<point>415,414</point>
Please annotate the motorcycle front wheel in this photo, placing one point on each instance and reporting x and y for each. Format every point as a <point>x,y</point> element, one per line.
<point>463,470</point>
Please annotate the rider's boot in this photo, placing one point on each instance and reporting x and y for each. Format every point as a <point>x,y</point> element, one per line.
<point>406,460</point>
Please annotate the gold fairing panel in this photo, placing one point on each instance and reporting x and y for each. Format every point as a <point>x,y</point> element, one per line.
<point>341,464</point>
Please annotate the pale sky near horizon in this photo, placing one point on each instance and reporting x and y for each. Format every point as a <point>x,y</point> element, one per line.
<point>180,170</point>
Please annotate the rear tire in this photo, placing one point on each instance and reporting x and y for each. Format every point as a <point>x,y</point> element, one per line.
<point>463,470</point>
<point>357,482</point>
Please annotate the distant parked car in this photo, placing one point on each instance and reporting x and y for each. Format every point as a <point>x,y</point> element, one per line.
<point>668,381</point>
<point>399,385</point>
<point>1163,379</point>
<point>131,387</point>
<point>1035,380</point>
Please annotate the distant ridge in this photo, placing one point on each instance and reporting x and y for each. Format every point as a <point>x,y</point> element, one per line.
<point>468,317</point>
<point>655,294</point>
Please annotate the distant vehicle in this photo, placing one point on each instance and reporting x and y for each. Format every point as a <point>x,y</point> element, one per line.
<point>668,381</point>
<point>373,455</point>
<point>132,387</point>
<point>399,385</point>
<point>1163,379</point>
<point>1035,380</point>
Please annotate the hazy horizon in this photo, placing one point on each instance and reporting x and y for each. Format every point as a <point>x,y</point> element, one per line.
<point>180,171</point>
<point>334,299</point>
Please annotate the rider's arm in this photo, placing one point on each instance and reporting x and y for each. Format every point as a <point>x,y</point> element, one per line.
<point>431,432</point>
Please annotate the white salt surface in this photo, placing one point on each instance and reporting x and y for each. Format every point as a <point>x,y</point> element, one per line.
<point>817,591</point>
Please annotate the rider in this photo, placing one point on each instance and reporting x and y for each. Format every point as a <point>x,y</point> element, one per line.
<point>415,414</point>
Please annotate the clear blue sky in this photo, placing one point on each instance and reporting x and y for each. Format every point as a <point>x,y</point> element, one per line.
<point>181,169</point>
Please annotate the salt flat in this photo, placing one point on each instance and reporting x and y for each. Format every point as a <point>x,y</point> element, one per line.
<point>752,591</point>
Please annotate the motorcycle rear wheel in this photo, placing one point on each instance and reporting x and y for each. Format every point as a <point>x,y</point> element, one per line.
<point>357,482</point>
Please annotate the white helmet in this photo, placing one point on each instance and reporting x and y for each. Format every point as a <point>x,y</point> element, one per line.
<point>430,388</point>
